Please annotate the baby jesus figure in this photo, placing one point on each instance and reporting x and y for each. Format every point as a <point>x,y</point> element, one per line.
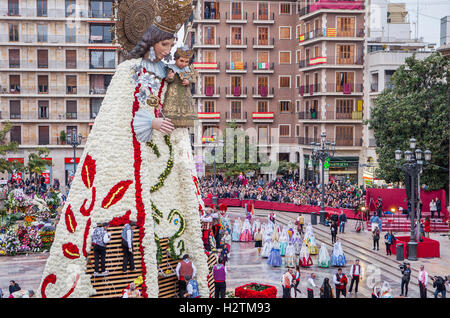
<point>179,106</point>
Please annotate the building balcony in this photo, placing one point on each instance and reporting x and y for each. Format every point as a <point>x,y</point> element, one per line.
<point>236,67</point>
<point>263,117</point>
<point>263,68</point>
<point>209,18</point>
<point>307,141</point>
<point>331,62</point>
<point>97,91</point>
<point>330,34</point>
<point>263,19</point>
<point>266,45</point>
<point>348,142</point>
<point>100,14</point>
<point>209,117</point>
<point>330,89</point>
<point>208,44</point>
<point>50,66</point>
<point>233,44</point>
<point>263,92</point>
<point>331,6</point>
<point>208,92</point>
<point>236,117</point>
<point>63,118</point>
<point>207,67</point>
<point>309,115</point>
<point>236,92</point>
<point>236,19</point>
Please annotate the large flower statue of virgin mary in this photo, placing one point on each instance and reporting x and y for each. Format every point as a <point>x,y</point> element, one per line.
<point>135,163</point>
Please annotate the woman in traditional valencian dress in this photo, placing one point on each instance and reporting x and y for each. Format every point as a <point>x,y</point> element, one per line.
<point>284,238</point>
<point>246,232</point>
<point>324,257</point>
<point>136,166</point>
<point>338,256</point>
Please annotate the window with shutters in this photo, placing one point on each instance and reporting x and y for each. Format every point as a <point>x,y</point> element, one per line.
<point>236,81</point>
<point>71,84</point>
<point>298,31</point>
<point>285,106</point>
<point>263,135</point>
<point>42,57</point>
<point>297,130</point>
<point>345,54</point>
<point>95,105</point>
<point>14,109</point>
<point>43,84</point>
<point>307,83</point>
<point>285,130</point>
<point>13,33</point>
<point>72,130</point>
<point>41,8</point>
<point>209,130</point>
<point>71,109</point>
<point>211,10</point>
<point>70,8</point>
<point>263,106</point>
<point>285,81</point>
<point>263,82</point>
<point>285,8</point>
<point>15,134</point>
<point>42,32</point>
<point>236,36</point>
<point>263,11</point>
<point>43,109</point>
<point>344,135</point>
<point>263,36</point>
<point>344,79</point>
<point>236,11</point>
<point>316,24</point>
<point>263,58</point>
<point>285,57</point>
<point>71,59</point>
<point>209,35</point>
<point>100,8</point>
<point>100,33</point>
<point>70,34</point>
<point>236,56</point>
<point>209,56</point>
<point>298,81</point>
<point>236,109</point>
<point>99,83</point>
<point>209,106</point>
<point>298,56</point>
<point>102,59</point>
<point>44,135</point>
<point>285,33</point>
<point>210,85</point>
<point>345,26</point>
<point>316,51</point>
<point>13,7</point>
<point>14,84</point>
<point>14,58</point>
<point>344,108</point>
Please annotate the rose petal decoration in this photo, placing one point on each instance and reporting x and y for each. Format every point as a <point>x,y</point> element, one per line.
<point>116,194</point>
<point>118,221</point>
<point>83,210</point>
<point>50,279</point>
<point>73,287</point>
<point>70,251</point>
<point>86,233</point>
<point>88,171</point>
<point>71,223</point>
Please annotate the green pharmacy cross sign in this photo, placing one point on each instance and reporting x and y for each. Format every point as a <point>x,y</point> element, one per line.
<point>326,164</point>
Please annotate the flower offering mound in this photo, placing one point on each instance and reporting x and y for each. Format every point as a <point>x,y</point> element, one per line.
<point>255,290</point>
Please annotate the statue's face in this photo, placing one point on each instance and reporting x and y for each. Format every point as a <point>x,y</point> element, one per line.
<point>163,48</point>
<point>182,62</point>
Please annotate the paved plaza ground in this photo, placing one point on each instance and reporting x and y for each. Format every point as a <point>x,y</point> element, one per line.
<point>246,266</point>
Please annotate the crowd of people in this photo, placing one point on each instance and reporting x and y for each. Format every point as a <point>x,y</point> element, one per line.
<point>337,194</point>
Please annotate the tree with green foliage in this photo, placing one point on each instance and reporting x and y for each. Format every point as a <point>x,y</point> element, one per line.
<point>416,106</point>
<point>286,167</point>
<point>36,165</point>
<point>5,148</point>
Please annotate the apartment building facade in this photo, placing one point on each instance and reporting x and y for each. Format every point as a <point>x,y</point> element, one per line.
<point>284,71</point>
<point>56,61</point>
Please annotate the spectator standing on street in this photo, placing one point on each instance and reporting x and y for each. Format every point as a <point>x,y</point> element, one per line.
<point>287,283</point>
<point>355,272</point>
<point>439,284</point>
<point>376,238</point>
<point>127,247</point>
<point>432,208</point>
<point>438,208</point>
<point>342,221</point>
<point>333,229</point>
<point>13,287</point>
<point>258,240</point>
<point>100,238</point>
<point>423,281</point>
<point>375,221</point>
<point>427,227</point>
<point>220,273</point>
<point>311,285</point>
<point>406,272</point>
<point>389,239</point>
<point>296,280</point>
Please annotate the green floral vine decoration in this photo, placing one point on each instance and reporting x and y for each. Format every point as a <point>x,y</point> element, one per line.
<point>158,249</point>
<point>154,147</point>
<point>180,245</point>
<point>168,169</point>
<point>156,213</point>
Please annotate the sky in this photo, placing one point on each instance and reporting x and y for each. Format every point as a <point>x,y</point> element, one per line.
<point>430,14</point>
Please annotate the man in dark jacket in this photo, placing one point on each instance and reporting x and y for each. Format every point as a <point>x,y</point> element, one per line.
<point>439,284</point>
<point>342,221</point>
<point>13,287</point>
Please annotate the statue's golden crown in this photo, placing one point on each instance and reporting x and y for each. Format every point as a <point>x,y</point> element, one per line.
<point>172,14</point>
<point>185,52</point>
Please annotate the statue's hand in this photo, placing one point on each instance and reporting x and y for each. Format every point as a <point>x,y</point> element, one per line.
<point>163,125</point>
<point>185,82</point>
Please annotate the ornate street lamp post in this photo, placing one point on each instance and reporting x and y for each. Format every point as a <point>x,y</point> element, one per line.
<point>74,140</point>
<point>413,167</point>
<point>321,152</point>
